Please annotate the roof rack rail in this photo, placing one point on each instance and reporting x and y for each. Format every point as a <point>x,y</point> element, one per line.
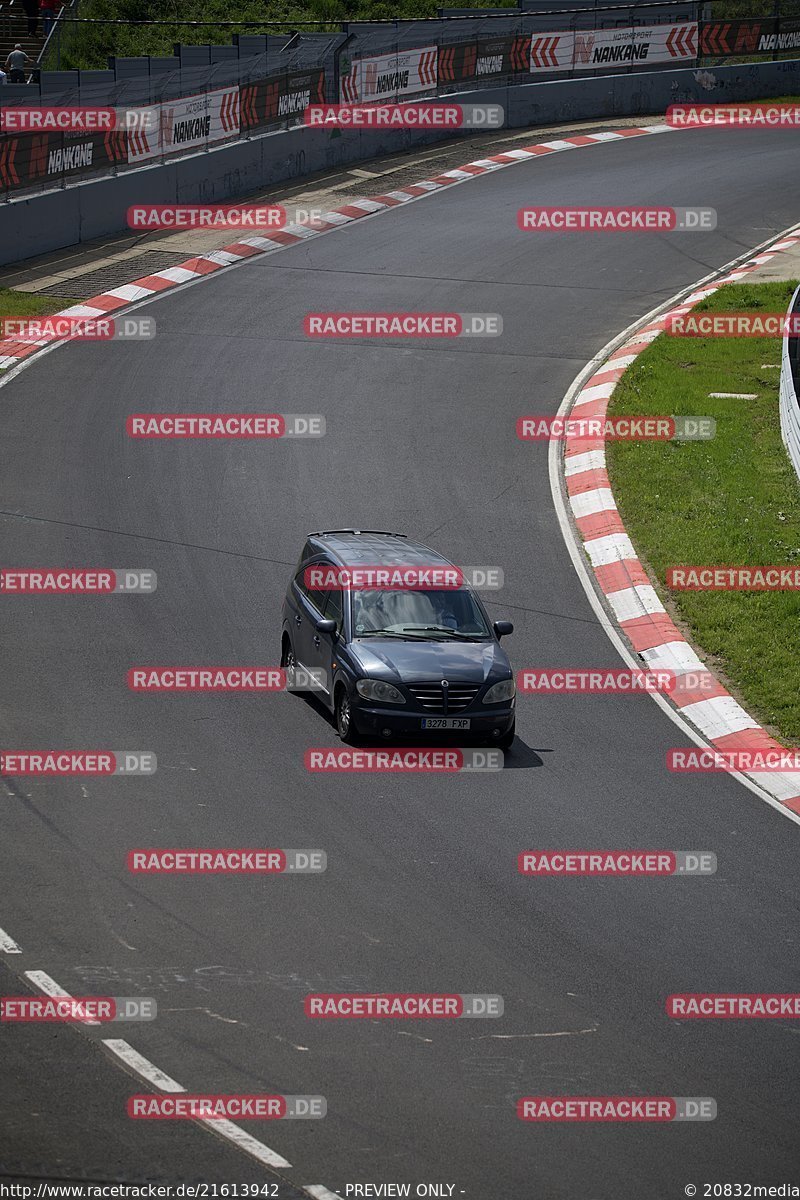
<point>387,532</point>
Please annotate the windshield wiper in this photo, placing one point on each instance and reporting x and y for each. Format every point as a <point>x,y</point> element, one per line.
<point>392,633</point>
<point>467,637</point>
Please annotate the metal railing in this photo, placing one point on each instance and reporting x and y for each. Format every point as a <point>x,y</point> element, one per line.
<point>790,389</point>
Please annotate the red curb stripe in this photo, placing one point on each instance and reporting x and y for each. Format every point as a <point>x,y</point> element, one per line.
<point>574,446</point>
<point>600,524</point>
<point>282,237</point>
<point>747,739</point>
<point>587,481</point>
<point>105,302</point>
<point>617,576</point>
<point>651,630</point>
<point>686,697</point>
<point>605,376</point>
<point>154,282</point>
<point>202,265</point>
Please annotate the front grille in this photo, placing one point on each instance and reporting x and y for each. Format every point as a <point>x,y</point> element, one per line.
<point>432,697</point>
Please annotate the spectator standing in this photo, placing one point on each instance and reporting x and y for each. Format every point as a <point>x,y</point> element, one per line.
<point>16,64</point>
<point>32,13</point>
<point>47,11</point>
<point>3,78</point>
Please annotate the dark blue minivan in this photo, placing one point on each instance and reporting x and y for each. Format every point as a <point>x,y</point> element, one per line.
<point>391,661</point>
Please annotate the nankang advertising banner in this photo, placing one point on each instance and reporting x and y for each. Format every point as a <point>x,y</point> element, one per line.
<point>406,73</point>
<point>186,124</point>
<point>597,49</point>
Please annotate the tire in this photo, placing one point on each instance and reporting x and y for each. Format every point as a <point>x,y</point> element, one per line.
<point>288,663</point>
<point>343,715</point>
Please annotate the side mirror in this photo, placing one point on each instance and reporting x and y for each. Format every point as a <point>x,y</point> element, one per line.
<point>325,627</point>
<point>502,628</point>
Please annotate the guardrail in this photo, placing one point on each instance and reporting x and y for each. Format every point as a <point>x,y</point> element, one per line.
<point>790,391</point>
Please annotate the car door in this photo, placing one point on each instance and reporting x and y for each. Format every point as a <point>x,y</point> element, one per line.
<point>324,645</point>
<point>310,603</point>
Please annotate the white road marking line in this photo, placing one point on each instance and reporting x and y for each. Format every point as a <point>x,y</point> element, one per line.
<point>604,548</point>
<point>225,1129</point>
<point>7,944</point>
<point>50,988</point>
<point>733,395</point>
<point>138,1063</point>
<point>318,1192</point>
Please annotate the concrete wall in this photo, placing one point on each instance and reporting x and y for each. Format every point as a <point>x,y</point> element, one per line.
<point>82,211</point>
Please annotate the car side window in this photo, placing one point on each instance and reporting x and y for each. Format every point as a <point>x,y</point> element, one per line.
<point>300,582</point>
<point>316,596</point>
<point>334,610</point>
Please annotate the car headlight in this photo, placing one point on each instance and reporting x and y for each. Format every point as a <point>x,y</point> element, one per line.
<point>498,692</point>
<point>377,689</point>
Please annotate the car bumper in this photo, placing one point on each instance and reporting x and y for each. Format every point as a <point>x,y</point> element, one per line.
<point>374,720</point>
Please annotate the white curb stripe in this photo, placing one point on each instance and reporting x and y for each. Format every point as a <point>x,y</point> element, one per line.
<point>637,601</point>
<point>599,500</point>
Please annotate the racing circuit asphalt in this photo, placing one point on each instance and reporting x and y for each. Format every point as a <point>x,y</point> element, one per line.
<point>421,892</point>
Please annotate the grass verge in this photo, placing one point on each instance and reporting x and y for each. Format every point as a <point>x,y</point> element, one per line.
<point>731,500</point>
<point>28,304</point>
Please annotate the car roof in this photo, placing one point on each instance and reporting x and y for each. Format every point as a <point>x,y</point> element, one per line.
<point>373,547</point>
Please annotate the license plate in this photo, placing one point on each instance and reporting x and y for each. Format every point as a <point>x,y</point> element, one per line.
<point>445,723</point>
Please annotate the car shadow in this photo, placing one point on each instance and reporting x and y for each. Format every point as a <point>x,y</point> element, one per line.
<point>520,757</point>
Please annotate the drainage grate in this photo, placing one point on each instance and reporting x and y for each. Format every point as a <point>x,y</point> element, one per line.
<point>115,274</point>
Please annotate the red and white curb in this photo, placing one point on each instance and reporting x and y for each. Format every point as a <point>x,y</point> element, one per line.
<point>620,576</point>
<point>13,351</point>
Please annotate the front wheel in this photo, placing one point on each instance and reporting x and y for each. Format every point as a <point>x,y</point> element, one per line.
<point>289,665</point>
<point>344,718</point>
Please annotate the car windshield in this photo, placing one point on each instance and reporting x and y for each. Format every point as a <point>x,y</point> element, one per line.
<point>427,615</point>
